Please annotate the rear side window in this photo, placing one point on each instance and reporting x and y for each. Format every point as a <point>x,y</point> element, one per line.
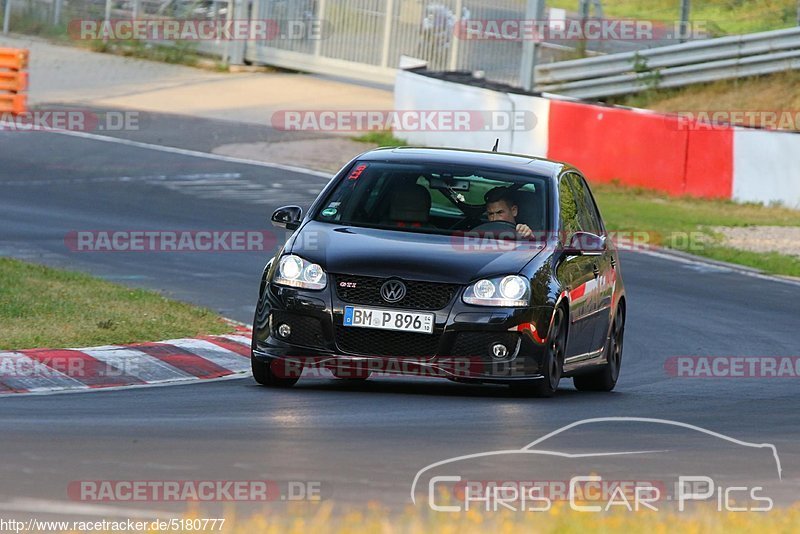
<point>568,208</point>
<point>588,217</point>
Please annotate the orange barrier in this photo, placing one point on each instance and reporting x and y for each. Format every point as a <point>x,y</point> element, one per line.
<point>14,104</point>
<point>13,58</point>
<point>13,80</point>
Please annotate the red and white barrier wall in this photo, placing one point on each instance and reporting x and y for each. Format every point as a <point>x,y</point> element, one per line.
<point>631,147</point>
<point>766,166</point>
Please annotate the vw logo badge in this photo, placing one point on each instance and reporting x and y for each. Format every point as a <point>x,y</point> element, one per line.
<point>393,291</point>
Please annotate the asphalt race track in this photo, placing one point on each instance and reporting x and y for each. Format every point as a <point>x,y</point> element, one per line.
<point>363,442</point>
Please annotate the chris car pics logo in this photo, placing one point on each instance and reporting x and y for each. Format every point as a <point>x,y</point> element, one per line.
<point>448,487</point>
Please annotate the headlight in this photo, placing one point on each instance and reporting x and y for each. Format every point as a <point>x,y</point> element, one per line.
<point>509,290</point>
<point>513,287</point>
<point>294,271</point>
<point>484,289</point>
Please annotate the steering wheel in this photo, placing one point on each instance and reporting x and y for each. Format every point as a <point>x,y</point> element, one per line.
<point>496,226</point>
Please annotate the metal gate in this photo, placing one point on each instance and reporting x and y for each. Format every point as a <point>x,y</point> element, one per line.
<point>366,39</point>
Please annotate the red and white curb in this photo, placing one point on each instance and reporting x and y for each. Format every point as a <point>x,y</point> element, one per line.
<point>112,366</point>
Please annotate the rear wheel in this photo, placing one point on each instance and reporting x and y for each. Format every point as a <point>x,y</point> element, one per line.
<point>606,378</point>
<point>275,373</point>
<point>553,361</point>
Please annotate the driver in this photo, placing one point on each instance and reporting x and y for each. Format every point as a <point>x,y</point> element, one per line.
<point>501,206</point>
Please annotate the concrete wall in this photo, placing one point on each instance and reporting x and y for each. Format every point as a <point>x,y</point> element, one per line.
<point>766,167</point>
<point>416,92</point>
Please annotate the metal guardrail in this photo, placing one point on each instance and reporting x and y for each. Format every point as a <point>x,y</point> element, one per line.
<point>673,66</point>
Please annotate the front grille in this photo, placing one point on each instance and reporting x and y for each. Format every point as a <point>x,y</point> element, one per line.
<point>419,295</point>
<point>478,344</point>
<point>369,342</point>
<point>306,331</point>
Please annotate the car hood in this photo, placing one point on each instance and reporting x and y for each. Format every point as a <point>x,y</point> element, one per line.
<point>385,253</point>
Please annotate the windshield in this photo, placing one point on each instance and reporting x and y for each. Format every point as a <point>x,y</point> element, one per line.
<point>437,199</point>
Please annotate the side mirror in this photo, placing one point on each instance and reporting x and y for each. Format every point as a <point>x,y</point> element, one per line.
<point>288,217</point>
<point>585,244</point>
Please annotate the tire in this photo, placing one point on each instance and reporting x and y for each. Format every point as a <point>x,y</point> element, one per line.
<point>552,363</point>
<point>265,374</point>
<point>606,378</point>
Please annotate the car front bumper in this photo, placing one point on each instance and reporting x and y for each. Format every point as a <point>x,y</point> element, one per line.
<point>460,347</point>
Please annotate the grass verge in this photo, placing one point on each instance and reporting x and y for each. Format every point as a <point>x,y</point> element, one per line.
<point>44,307</point>
<point>720,17</point>
<point>771,93</point>
<point>559,519</point>
<point>179,53</point>
<point>685,223</point>
<point>380,138</point>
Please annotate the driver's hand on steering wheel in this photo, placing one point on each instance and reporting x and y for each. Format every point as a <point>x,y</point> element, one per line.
<point>523,230</point>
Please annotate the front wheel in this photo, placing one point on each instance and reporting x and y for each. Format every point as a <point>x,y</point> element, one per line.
<point>606,378</point>
<point>274,373</point>
<point>552,362</point>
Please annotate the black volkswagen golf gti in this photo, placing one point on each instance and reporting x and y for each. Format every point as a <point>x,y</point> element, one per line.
<point>467,265</point>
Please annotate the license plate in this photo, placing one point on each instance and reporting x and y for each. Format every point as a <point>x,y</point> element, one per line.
<point>388,319</point>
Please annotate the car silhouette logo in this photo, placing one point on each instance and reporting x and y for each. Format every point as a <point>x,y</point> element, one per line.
<point>534,447</point>
<point>393,291</point>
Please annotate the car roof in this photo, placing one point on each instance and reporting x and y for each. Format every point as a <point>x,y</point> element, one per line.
<point>500,161</point>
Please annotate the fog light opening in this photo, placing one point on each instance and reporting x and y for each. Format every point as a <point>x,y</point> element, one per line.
<point>284,330</point>
<point>499,351</point>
